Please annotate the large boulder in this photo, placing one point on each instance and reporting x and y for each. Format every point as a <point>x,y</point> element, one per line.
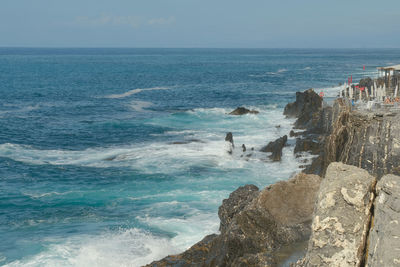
<point>384,239</point>
<point>341,217</point>
<point>242,111</point>
<point>275,147</point>
<point>255,224</point>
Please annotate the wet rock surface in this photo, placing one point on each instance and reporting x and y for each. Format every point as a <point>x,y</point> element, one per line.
<point>384,240</point>
<point>275,147</point>
<point>341,218</point>
<point>243,111</point>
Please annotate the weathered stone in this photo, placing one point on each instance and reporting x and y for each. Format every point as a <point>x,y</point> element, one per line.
<point>384,239</point>
<point>236,202</point>
<point>341,218</point>
<point>364,139</point>
<point>242,111</point>
<point>276,148</point>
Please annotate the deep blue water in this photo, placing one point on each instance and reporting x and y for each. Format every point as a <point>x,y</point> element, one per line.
<point>89,174</point>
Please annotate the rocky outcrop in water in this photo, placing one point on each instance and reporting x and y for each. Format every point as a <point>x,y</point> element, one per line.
<point>341,218</point>
<point>242,111</point>
<point>307,104</point>
<point>254,224</point>
<point>229,143</point>
<point>275,147</point>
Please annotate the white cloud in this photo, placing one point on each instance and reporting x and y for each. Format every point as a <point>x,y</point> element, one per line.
<point>131,21</point>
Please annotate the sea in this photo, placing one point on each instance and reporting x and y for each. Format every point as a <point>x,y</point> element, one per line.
<point>117,157</point>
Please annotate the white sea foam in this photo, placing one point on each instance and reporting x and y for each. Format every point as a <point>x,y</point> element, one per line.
<point>140,106</point>
<point>131,247</point>
<point>203,147</point>
<point>135,91</point>
<point>135,247</point>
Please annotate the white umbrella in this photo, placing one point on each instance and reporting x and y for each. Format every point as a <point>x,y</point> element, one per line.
<point>395,91</point>
<point>367,93</point>
<point>350,92</point>
<point>375,90</point>
<point>380,93</point>
<point>372,91</point>
<point>384,90</point>
<point>360,94</point>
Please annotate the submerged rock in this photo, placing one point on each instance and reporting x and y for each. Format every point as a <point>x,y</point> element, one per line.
<point>341,218</point>
<point>384,240</point>
<point>242,111</point>
<point>276,148</point>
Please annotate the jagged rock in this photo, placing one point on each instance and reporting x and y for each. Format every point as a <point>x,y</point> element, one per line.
<point>230,145</point>
<point>307,144</point>
<point>384,239</point>
<point>276,148</point>
<point>229,138</point>
<point>294,134</point>
<point>254,224</point>
<point>341,218</point>
<point>304,108</point>
<point>237,200</point>
<point>244,148</point>
<point>242,111</point>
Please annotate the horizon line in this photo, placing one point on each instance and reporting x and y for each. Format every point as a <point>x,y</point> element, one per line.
<point>200,47</point>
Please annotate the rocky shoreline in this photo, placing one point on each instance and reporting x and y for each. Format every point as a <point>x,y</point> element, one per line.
<point>344,208</point>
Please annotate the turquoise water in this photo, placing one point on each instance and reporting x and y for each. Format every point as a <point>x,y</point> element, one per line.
<point>89,172</point>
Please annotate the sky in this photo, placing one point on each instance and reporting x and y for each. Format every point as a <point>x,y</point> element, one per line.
<point>200,23</point>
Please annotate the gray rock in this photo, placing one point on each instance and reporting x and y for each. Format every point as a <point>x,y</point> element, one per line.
<point>341,218</point>
<point>229,138</point>
<point>384,239</point>
<point>242,111</point>
<point>236,202</point>
<point>276,148</point>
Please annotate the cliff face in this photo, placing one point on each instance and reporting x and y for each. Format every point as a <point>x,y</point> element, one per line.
<point>369,140</point>
<point>366,139</point>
